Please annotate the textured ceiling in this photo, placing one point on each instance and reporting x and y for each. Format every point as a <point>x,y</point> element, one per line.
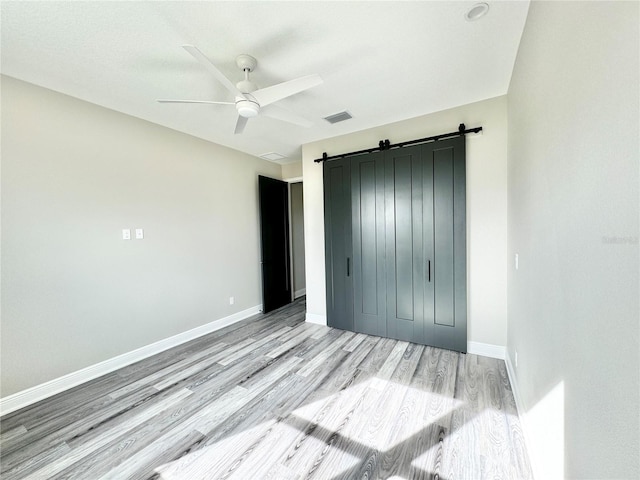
<point>381,61</point>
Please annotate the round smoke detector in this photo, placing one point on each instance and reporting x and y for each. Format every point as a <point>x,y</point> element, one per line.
<point>479,10</point>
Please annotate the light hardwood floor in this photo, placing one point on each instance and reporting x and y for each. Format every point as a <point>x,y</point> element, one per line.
<point>276,398</point>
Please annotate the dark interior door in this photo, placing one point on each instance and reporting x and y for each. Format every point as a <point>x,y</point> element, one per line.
<point>368,229</point>
<point>405,272</point>
<point>338,247</point>
<point>449,254</point>
<point>274,236</point>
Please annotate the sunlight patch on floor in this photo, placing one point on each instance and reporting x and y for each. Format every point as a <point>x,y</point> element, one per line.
<point>363,415</point>
<point>380,407</point>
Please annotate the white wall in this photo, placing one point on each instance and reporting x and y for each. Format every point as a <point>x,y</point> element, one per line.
<point>573,179</point>
<point>486,208</point>
<point>73,175</point>
<point>291,170</point>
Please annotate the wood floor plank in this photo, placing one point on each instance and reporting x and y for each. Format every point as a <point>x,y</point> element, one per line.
<point>311,346</point>
<point>314,453</point>
<point>204,419</point>
<point>301,333</point>
<point>36,461</point>
<point>182,445</point>
<point>388,367</point>
<point>87,448</point>
<point>355,341</point>
<point>321,331</point>
<point>45,436</point>
<point>400,445</point>
<point>179,374</point>
<point>347,372</point>
<point>378,355</point>
<point>347,449</point>
<point>12,435</point>
<point>224,458</point>
<point>264,453</point>
<point>129,442</point>
<point>322,357</point>
<point>280,472</point>
<point>343,447</point>
<point>186,414</point>
<point>275,397</point>
<point>53,411</point>
<point>218,379</point>
<point>255,412</point>
<point>165,373</point>
<point>252,346</point>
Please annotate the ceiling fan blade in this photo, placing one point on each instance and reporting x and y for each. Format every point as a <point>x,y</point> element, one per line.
<point>163,100</point>
<point>240,124</point>
<point>198,55</point>
<point>285,115</point>
<point>268,95</point>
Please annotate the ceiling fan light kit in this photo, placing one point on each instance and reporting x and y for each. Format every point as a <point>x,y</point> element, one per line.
<point>249,100</point>
<point>247,108</point>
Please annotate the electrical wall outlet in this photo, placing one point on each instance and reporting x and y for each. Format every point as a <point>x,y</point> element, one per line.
<point>139,234</point>
<point>126,234</point>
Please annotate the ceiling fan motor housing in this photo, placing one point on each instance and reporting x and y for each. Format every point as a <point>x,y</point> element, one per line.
<point>246,86</point>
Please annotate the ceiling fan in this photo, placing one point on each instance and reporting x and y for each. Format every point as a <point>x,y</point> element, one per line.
<point>249,99</point>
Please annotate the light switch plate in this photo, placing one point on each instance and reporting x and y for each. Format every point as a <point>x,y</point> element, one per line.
<point>139,234</point>
<point>126,234</point>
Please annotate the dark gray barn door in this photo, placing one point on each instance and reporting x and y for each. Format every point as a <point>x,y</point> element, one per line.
<point>447,158</point>
<point>395,225</point>
<point>405,262</point>
<point>274,240</point>
<point>368,229</point>
<point>338,245</point>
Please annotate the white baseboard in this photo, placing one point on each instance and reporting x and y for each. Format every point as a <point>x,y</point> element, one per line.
<point>522,414</point>
<point>315,318</point>
<point>32,395</point>
<point>299,293</point>
<point>487,350</point>
<point>514,386</point>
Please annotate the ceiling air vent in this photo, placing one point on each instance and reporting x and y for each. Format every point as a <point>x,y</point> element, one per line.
<point>272,157</point>
<point>338,117</point>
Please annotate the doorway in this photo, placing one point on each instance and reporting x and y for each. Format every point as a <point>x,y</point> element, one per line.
<point>296,216</point>
<point>282,241</point>
<point>274,242</point>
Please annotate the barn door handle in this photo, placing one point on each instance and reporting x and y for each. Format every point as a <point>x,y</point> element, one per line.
<point>348,266</point>
<point>429,269</point>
